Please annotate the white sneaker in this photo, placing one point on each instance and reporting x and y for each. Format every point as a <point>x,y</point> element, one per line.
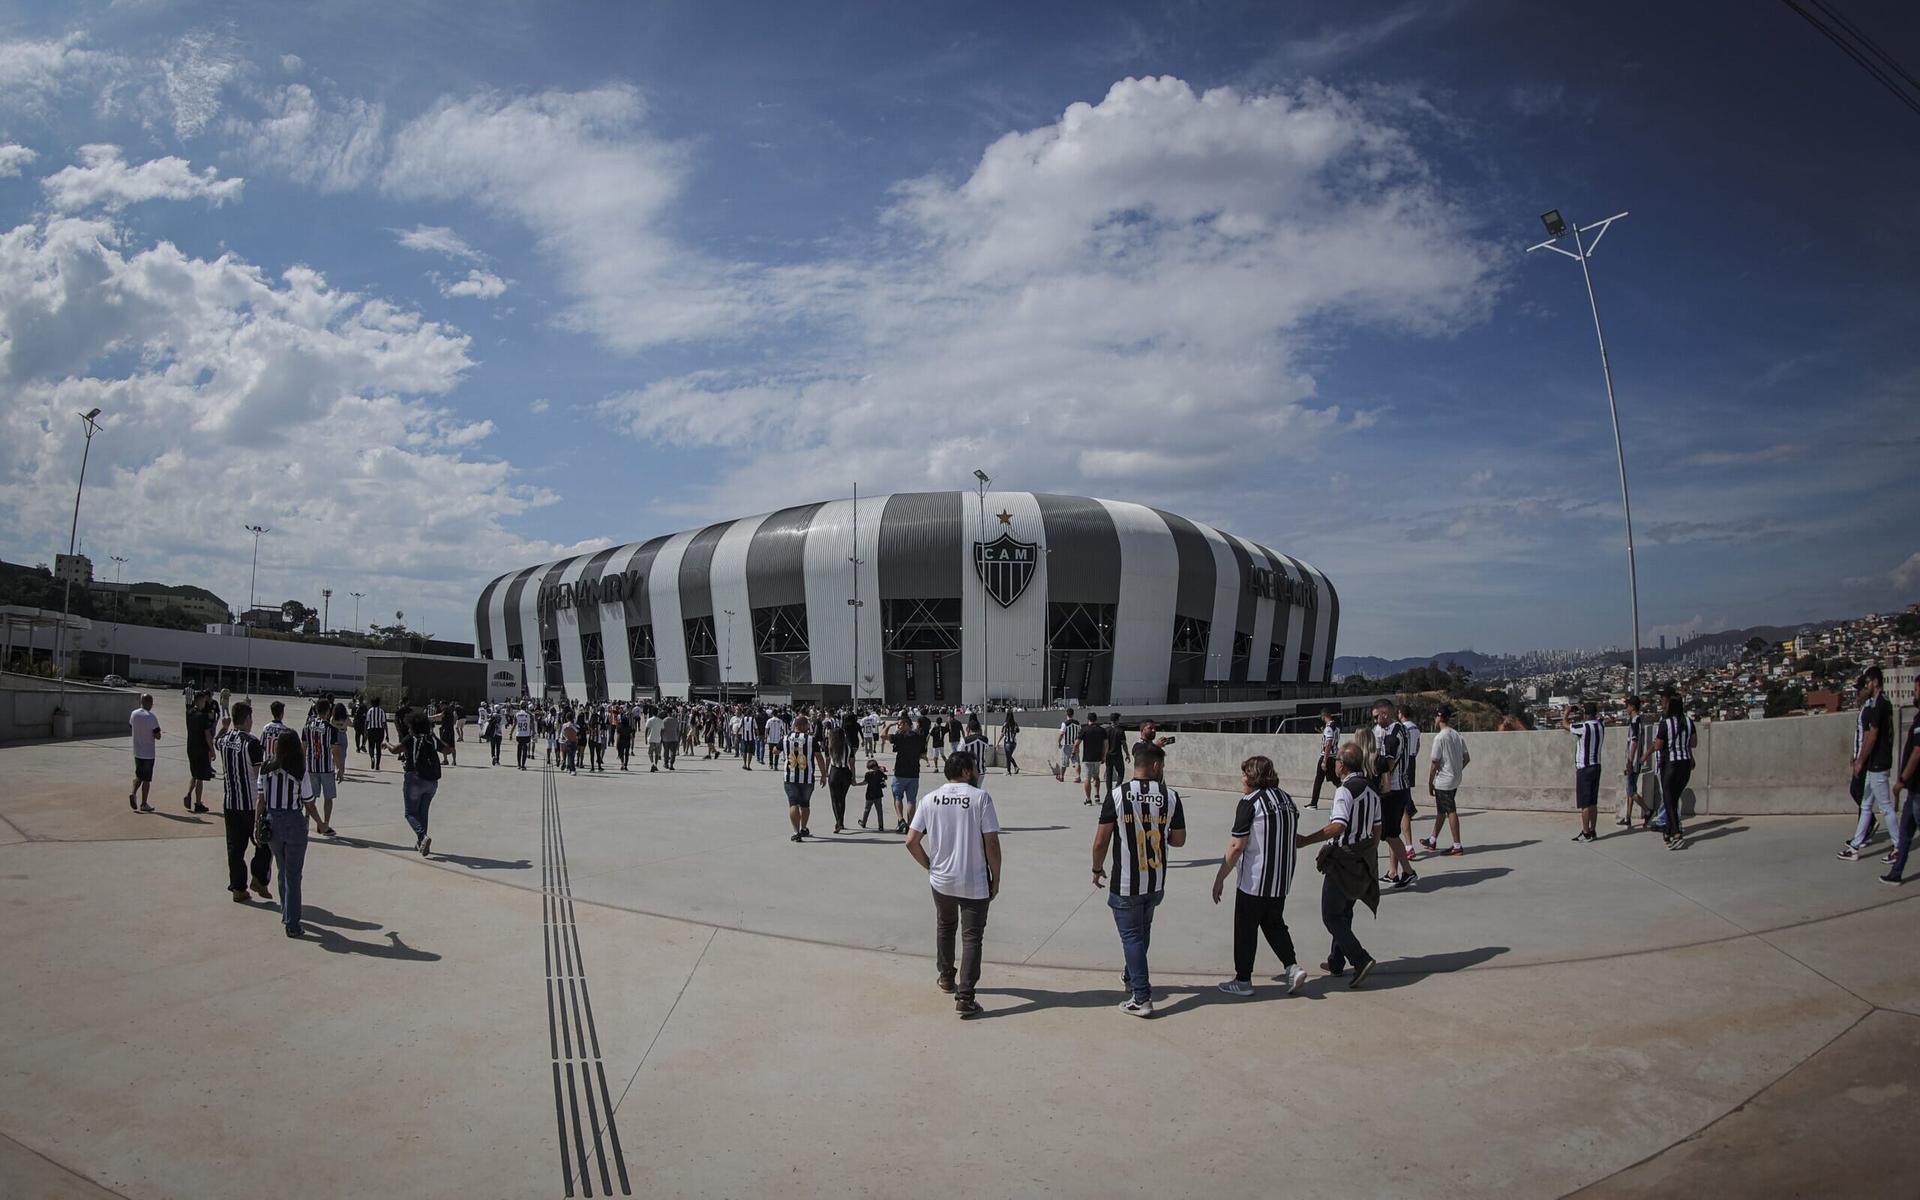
<point>1236,987</point>
<point>1296,975</point>
<point>1136,1008</point>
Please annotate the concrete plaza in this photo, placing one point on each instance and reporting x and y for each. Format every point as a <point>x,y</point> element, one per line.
<point>634,983</point>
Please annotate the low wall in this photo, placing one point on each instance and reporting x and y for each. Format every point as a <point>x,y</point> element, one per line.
<point>26,709</point>
<point>1742,768</point>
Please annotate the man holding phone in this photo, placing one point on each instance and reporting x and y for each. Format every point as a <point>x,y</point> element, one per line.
<point>955,835</point>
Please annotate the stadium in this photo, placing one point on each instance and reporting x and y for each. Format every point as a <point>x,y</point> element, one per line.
<point>925,598</point>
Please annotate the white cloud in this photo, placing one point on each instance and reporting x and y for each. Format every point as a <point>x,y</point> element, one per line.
<point>584,175</point>
<point>478,285</point>
<point>331,147</point>
<point>33,73</point>
<point>1148,276</point>
<point>538,407</point>
<point>232,395</point>
<point>193,74</point>
<point>103,178</point>
<point>438,239</point>
<point>292,64</point>
<point>14,158</point>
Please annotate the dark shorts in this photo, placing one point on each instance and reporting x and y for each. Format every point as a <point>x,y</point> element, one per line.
<point>1443,801</point>
<point>1586,787</point>
<point>1394,809</point>
<point>143,770</point>
<point>799,795</point>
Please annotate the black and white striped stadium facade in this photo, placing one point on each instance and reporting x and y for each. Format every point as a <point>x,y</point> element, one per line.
<point>1060,597</point>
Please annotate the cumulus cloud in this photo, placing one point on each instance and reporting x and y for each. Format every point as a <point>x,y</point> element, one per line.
<point>192,75</point>
<point>13,159</point>
<point>478,285</point>
<point>102,178</point>
<point>333,147</point>
<point>1124,299</point>
<point>438,239</point>
<point>35,72</point>
<point>230,395</point>
<point>584,174</point>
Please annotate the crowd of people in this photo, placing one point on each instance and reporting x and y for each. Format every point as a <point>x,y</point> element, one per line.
<point>283,779</point>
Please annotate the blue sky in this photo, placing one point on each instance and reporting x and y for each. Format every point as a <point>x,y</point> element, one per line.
<point>438,290</point>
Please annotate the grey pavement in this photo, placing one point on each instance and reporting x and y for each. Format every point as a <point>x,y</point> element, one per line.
<point>1548,1016</point>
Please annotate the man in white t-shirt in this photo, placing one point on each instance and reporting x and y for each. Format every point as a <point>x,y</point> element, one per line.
<point>146,731</point>
<point>1448,765</point>
<point>955,835</point>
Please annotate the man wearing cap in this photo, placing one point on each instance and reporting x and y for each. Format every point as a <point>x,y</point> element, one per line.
<point>1871,782</point>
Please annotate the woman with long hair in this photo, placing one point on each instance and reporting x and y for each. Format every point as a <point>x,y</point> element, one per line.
<point>1673,752</point>
<point>1009,739</point>
<point>200,734</point>
<point>285,806</point>
<point>1364,737</point>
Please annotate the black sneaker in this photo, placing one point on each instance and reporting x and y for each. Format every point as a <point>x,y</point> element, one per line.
<point>1890,879</point>
<point>1361,972</point>
<point>945,985</point>
<point>966,1008</point>
<point>426,846</point>
<point>1405,881</point>
<point>805,832</point>
<point>295,931</point>
<point>794,838</point>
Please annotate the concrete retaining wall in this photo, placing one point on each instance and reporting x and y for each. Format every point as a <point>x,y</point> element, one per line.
<point>26,709</point>
<point>1744,768</point>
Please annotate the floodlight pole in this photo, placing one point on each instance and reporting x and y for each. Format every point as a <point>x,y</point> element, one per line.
<point>986,654</point>
<point>73,535</point>
<point>726,691</point>
<point>1581,253</point>
<point>854,603</point>
<point>118,562</point>
<point>252,603</point>
<point>357,597</point>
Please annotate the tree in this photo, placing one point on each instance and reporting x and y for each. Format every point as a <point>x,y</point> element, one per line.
<point>1783,700</point>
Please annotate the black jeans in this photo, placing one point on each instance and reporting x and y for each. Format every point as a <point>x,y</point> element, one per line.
<point>239,837</point>
<point>1673,781</point>
<point>1336,912</point>
<point>1320,775</point>
<point>839,779</point>
<point>523,750</point>
<point>1253,916</point>
<point>669,751</point>
<point>970,917</point>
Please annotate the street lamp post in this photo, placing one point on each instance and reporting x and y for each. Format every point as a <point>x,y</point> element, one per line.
<point>118,562</point>
<point>252,602</point>
<point>986,655</point>
<point>89,419</point>
<point>1558,228</point>
<point>326,606</point>
<point>357,597</point>
<point>725,691</point>
<point>854,603</point>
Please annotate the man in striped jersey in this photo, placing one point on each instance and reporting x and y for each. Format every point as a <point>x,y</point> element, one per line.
<point>240,758</point>
<point>1637,759</point>
<point>375,718</point>
<point>1346,865</point>
<point>1673,752</point>
<point>1139,821</point>
<point>975,744</point>
<point>1587,733</point>
<point>275,726</point>
<point>1069,742</point>
<point>318,740</point>
<point>803,758</point>
<point>1260,850</point>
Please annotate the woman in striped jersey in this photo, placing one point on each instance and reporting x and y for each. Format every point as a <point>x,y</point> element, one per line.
<point>285,805</point>
<point>240,757</point>
<point>1673,751</point>
<point>1261,852</point>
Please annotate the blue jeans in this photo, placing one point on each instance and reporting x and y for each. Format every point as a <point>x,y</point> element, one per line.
<point>287,836</point>
<point>1903,833</point>
<point>1336,913</point>
<point>1876,794</point>
<point>418,795</point>
<point>1133,917</point>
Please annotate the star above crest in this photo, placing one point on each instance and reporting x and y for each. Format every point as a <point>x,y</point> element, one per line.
<point>1006,518</point>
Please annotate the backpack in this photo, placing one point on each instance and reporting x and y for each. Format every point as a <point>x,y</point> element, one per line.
<point>423,757</point>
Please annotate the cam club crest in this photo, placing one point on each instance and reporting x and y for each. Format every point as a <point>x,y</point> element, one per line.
<point>1005,566</point>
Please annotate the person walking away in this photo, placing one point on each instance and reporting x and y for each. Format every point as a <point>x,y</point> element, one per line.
<point>146,733</point>
<point>1010,742</point>
<point>317,739</point>
<point>909,744</point>
<point>199,752</point>
<point>1444,773</point>
<point>1389,774</point>
<point>522,737</point>
<point>449,723</point>
<point>1091,757</point>
<point>1064,744</point>
<point>1909,782</point>
<point>1588,733</point>
<point>275,726</point>
<point>1260,854</point>
<point>1410,752</point>
<point>1328,766</point>
<point>1139,820</point>
<point>1673,750</point>
<point>975,743</point>
<point>240,757</point>
<point>1870,781</point>
<point>654,725</point>
<point>955,835</point>
<point>376,722</point>
<point>1346,865</point>
<point>670,738</point>
<point>492,733</point>
<point>875,782</point>
<point>839,773</point>
<point>802,757</point>
<point>1636,765</point>
<point>285,807</point>
<point>420,760</point>
<point>623,739</point>
<point>342,724</point>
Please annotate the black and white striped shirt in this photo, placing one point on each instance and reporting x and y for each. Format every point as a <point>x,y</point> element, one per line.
<point>240,758</point>
<point>1143,813</point>
<point>1357,806</point>
<point>1586,743</point>
<point>1676,736</point>
<point>799,752</point>
<point>1633,743</point>
<point>1389,744</point>
<point>270,736</point>
<point>1069,736</point>
<point>283,792</point>
<point>319,738</point>
<point>1410,752</point>
<point>1268,820</point>
<point>1329,736</point>
<point>976,745</point>
<point>376,719</point>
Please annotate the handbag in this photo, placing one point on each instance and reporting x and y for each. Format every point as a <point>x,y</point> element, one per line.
<point>262,832</point>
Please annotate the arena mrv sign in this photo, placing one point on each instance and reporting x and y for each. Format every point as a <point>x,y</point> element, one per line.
<point>608,589</point>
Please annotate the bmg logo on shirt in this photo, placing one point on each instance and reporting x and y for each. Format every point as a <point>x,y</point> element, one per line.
<point>962,801</point>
